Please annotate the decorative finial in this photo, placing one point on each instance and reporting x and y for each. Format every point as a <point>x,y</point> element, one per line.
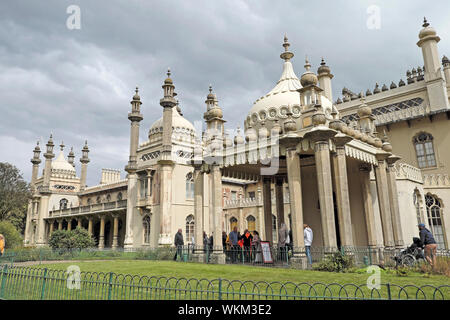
<point>307,64</point>
<point>323,62</point>
<point>168,72</point>
<point>210,88</point>
<point>286,44</point>
<point>425,23</point>
<point>62,145</point>
<point>286,55</point>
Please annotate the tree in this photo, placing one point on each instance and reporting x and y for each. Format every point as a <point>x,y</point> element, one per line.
<point>71,239</point>
<point>12,236</point>
<point>14,195</point>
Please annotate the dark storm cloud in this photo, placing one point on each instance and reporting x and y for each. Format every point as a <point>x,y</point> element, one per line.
<point>78,83</point>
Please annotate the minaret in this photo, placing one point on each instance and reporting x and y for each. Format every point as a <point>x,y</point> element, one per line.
<point>49,155</point>
<point>434,77</point>
<point>446,65</point>
<point>135,117</point>
<point>324,75</point>
<point>167,102</point>
<point>35,161</point>
<point>71,157</point>
<point>84,162</point>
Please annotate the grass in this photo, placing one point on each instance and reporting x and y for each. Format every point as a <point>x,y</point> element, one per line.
<point>170,280</point>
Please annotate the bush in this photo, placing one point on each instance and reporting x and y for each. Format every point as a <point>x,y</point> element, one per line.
<point>13,238</point>
<point>71,239</point>
<point>335,262</point>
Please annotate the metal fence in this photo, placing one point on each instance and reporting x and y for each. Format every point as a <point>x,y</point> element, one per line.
<point>280,257</point>
<point>46,284</point>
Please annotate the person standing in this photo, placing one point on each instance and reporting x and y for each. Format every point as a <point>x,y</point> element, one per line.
<point>282,237</point>
<point>247,242</point>
<point>257,245</point>
<point>2,244</point>
<point>179,242</point>
<point>234,238</point>
<point>308,236</point>
<point>429,244</point>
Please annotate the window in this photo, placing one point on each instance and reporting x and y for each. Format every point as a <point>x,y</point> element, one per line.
<point>108,198</point>
<point>189,186</point>
<point>119,196</point>
<point>423,143</point>
<point>434,211</point>
<point>63,203</point>
<point>89,201</point>
<point>251,225</point>
<point>143,185</point>
<point>146,223</point>
<point>99,199</point>
<point>251,194</point>
<point>233,195</point>
<point>189,227</point>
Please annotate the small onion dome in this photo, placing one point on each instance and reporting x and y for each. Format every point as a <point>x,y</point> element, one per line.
<point>215,113</point>
<point>168,80</point>
<point>364,110</point>
<point>414,72</point>
<point>354,96</point>
<point>377,88</point>
<point>401,83</point>
<point>445,61</point>
<point>263,133</point>
<point>308,77</point>
<point>377,142</point>
<point>250,134</point>
<point>408,73</point>
<point>323,68</point>
<point>344,128</point>
<point>427,30</point>
<point>227,142</point>
<point>276,128</point>
<point>289,124</point>
<point>336,124</point>
<point>368,92</point>
<point>371,140</point>
<point>238,139</point>
<point>386,146</point>
<point>384,88</point>
<point>210,94</point>
<point>338,101</point>
<point>319,118</point>
<point>136,95</point>
<point>393,85</point>
<point>419,69</point>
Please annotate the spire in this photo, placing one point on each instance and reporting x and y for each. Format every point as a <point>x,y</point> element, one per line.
<point>307,64</point>
<point>286,55</point>
<point>136,96</point>
<point>62,145</point>
<point>425,22</point>
<point>71,157</point>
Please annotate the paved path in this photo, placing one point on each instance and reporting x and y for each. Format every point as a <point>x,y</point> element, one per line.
<point>33,263</point>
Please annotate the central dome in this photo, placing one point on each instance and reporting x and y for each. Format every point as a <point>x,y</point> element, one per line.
<point>179,125</point>
<point>60,163</point>
<point>282,98</point>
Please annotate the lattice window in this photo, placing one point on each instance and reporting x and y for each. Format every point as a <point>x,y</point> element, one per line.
<point>189,227</point>
<point>63,203</point>
<point>423,143</point>
<point>146,223</point>
<point>434,215</point>
<point>190,186</point>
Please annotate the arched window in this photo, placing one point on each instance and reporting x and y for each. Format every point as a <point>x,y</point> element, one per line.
<point>251,225</point>
<point>233,223</point>
<point>99,199</point>
<point>89,201</point>
<point>108,198</point>
<point>119,196</point>
<point>146,223</point>
<point>63,203</point>
<point>190,186</point>
<point>434,214</point>
<point>423,143</point>
<point>189,227</point>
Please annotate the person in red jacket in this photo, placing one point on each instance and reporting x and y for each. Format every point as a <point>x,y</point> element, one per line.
<point>247,244</point>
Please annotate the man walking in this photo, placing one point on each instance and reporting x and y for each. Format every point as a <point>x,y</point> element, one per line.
<point>429,244</point>
<point>234,244</point>
<point>308,236</point>
<point>178,244</point>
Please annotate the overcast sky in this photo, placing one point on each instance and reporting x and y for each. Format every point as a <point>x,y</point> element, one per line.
<point>78,83</point>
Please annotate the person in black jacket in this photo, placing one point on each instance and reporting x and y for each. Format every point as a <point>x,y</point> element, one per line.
<point>247,239</point>
<point>179,242</point>
<point>429,244</point>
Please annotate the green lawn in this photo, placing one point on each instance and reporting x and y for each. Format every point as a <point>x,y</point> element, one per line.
<point>136,279</point>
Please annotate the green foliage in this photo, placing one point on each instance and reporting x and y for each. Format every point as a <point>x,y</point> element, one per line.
<point>14,195</point>
<point>13,238</point>
<point>71,239</point>
<point>335,262</point>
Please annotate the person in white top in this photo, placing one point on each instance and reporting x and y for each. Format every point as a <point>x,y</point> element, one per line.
<point>308,236</point>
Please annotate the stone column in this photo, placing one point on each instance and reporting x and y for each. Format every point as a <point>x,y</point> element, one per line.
<point>69,224</point>
<point>295,198</point>
<point>323,171</point>
<point>260,205</point>
<point>79,222</point>
<point>166,202</point>
<point>101,240</point>
<point>279,201</point>
<point>60,224</point>
<point>90,219</point>
<point>393,200</point>
<point>342,191</point>
<point>267,209</point>
<point>132,211</point>
<point>368,207</point>
<point>383,200</point>
<point>115,242</point>
<point>50,228</point>
<point>218,255</point>
<point>198,205</point>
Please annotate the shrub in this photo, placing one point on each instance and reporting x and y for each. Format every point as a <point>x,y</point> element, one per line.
<point>13,238</point>
<point>71,239</point>
<point>335,262</point>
